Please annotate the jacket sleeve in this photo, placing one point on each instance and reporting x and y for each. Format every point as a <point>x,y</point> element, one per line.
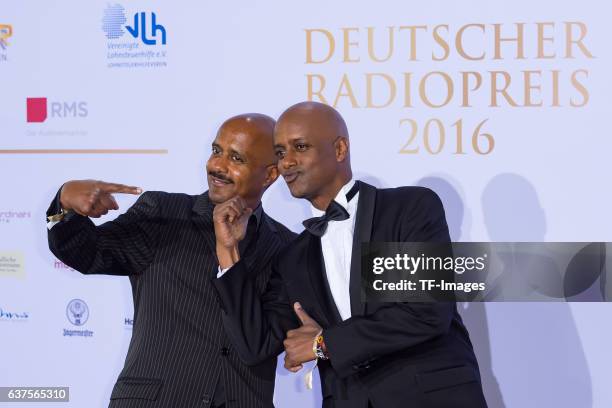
<point>354,343</point>
<point>124,246</point>
<point>256,322</point>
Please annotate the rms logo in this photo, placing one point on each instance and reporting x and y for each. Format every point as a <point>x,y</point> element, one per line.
<point>37,110</point>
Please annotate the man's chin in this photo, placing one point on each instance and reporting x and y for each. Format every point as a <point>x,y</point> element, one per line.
<point>218,197</point>
<point>297,192</point>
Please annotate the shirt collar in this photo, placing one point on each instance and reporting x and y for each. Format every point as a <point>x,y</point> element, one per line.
<point>340,199</point>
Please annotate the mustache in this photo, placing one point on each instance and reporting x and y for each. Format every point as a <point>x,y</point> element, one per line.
<point>220,176</point>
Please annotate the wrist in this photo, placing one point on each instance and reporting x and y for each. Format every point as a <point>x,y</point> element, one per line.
<point>227,256</point>
<point>319,348</point>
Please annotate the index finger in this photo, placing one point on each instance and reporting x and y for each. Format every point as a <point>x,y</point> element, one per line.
<point>119,188</point>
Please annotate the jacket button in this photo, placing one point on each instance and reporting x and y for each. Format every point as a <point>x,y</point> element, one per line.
<point>224,351</point>
<point>206,399</point>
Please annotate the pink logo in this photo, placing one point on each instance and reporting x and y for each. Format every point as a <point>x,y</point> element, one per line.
<point>37,109</point>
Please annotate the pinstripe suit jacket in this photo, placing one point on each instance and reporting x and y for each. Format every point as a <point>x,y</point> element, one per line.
<point>179,348</point>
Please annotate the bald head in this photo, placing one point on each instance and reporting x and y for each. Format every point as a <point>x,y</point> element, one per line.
<point>311,141</point>
<point>316,117</point>
<point>257,130</point>
<point>242,161</point>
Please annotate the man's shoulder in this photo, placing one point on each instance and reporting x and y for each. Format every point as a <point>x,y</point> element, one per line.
<point>165,195</point>
<point>295,249</point>
<point>407,197</point>
<point>417,193</point>
<point>169,202</point>
<point>284,233</point>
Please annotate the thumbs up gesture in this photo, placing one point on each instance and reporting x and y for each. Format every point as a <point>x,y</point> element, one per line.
<point>299,342</point>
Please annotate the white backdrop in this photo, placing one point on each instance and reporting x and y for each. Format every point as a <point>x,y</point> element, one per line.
<point>119,109</point>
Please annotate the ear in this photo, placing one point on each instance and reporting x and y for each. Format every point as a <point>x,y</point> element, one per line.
<point>342,148</point>
<point>271,175</point>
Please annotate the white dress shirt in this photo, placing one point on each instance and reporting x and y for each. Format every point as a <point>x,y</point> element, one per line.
<point>337,246</point>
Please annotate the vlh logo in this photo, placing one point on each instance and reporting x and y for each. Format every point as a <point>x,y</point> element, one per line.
<point>140,27</point>
<point>114,21</point>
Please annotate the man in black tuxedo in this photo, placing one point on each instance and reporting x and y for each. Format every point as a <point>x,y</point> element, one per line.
<point>379,355</point>
<point>179,354</point>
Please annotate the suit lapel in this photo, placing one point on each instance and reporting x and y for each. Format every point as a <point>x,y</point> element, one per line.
<point>265,245</point>
<point>315,269</point>
<point>363,233</point>
<point>202,218</point>
<point>318,278</point>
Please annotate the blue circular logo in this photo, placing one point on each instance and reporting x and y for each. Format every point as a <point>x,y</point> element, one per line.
<point>77,312</point>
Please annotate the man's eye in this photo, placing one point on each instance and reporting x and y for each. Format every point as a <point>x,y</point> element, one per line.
<point>237,158</point>
<point>300,146</point>
<point>215,150</point>
<point>280,154</point>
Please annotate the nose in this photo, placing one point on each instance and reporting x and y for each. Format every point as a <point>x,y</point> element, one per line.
<point>217,164</point>
<point>288,161</point>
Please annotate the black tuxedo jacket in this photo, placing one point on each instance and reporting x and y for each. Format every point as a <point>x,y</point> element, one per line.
<point>179,349</point>
<point>388,354</point>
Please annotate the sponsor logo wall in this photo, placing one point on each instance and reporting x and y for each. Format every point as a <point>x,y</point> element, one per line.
<point>501,108</point>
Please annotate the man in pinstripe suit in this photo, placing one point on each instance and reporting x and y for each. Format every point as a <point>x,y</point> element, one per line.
<point>179,354</point>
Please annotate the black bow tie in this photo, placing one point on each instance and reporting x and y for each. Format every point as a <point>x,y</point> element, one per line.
<point>334,212</point>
